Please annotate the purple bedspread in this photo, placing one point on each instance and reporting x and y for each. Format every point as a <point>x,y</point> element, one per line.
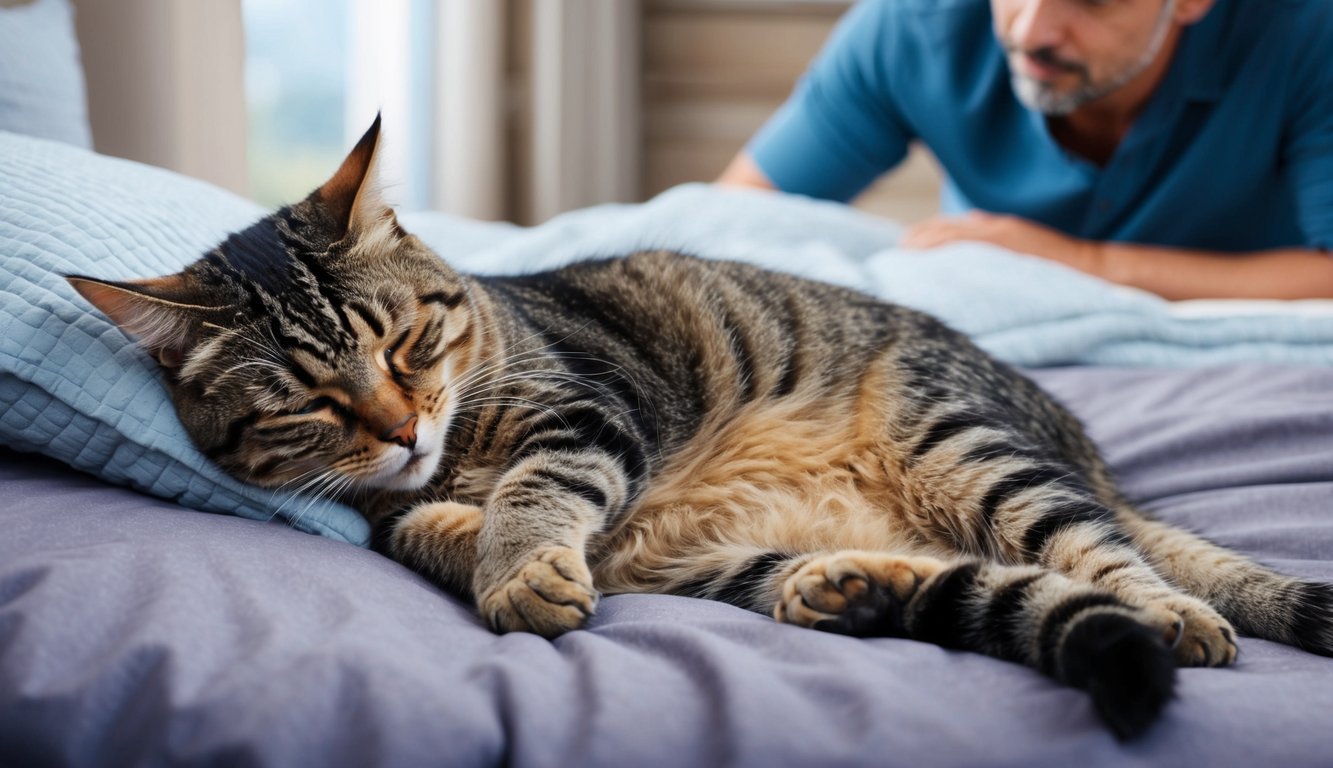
<point>135,632</point>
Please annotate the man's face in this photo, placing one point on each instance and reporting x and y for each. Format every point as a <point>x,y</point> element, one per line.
<point>1066,53</point>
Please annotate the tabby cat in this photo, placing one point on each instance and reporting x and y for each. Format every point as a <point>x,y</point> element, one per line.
<point>661,423</point>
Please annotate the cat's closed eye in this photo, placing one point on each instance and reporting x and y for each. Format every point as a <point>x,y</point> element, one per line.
<point>316,405</point>
<point>390,356</point>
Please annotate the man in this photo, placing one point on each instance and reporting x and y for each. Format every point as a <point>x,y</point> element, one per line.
<point>1180,146</point>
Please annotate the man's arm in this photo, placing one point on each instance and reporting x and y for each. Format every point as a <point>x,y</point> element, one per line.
<point>1173,273</point>
<point>1289,273</point>
<point>841,128</point>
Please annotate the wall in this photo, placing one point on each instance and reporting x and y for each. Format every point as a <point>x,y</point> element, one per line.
<point>714,70</point>
<point>166,84</point>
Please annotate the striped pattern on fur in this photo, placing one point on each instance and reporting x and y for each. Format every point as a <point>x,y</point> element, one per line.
<point>661,423</point>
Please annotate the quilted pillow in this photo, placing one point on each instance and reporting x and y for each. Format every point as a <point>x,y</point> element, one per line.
<point>72,386</point>
<point>41,80</point>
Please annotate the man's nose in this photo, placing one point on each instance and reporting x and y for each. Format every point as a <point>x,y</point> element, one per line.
<point>1039,24</point>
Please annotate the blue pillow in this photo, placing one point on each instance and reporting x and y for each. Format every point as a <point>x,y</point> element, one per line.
<point>72,386</point>
<point>41,80</point>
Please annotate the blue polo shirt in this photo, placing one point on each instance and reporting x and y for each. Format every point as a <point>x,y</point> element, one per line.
<point>1233,152</point>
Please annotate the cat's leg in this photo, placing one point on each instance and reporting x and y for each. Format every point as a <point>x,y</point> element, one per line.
<point>436,539</point>
<point>988,491</point>
<point>1259,601</point>
<point>1101,554</point>
<point>550,592</point>
<point>532,573</point>
<point>1079,635</point>
<point>1084,637</point>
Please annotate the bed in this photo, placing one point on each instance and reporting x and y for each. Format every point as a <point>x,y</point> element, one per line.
<point>138,628</point>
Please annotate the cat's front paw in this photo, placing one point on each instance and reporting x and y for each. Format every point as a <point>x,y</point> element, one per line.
<point>1199,635</point>
<point>436,539</point>
<point>549,595</point>
<point>854,593</point>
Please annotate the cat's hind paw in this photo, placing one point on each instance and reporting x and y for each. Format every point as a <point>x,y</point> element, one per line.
<point>1198,635</point>
<point>550,594</point>
<point>854,593</point>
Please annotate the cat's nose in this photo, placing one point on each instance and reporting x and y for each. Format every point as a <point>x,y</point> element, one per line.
<point>404,434</point>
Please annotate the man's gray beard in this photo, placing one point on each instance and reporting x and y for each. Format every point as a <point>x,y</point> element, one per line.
<point>1035,96</point>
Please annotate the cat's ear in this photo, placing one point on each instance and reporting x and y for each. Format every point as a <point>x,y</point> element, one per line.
<point>161,312</point>
<point>353,196</point>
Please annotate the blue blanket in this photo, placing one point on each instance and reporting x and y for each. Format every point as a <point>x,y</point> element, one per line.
<point>1028,311</point>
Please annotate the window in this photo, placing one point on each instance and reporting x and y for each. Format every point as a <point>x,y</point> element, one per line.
<point>317,72</point>
<point>489,110</point>
<point>296,55</point>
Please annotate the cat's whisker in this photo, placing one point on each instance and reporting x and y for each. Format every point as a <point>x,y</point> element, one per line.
<point>263,365</point>
<point>283,487</point>
<point>518,402</point>
<point>481,376</point>
<point>464,385</point>
<point>320,476</point>
<point>307,479</point>
<point>329,491</point>
<point>588,381</point>
<point>506,359</point>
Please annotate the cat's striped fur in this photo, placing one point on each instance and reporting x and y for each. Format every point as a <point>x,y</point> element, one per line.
<point>660,423</point>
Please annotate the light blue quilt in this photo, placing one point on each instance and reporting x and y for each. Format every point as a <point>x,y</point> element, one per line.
<point>73,387</point>
<point>1025,310</point>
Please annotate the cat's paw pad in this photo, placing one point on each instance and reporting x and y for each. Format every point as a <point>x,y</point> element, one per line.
<point>855,593</point>
<point>1199,636</point>
<point>548,595</point>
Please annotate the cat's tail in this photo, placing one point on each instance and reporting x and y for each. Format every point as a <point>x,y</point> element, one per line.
<point>1259,601</point>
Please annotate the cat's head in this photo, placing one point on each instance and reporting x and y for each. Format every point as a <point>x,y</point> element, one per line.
<point>313,348</point>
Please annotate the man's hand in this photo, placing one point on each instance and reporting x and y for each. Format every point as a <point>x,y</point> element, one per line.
<point>1174,273</point>
<point>1011,232</point>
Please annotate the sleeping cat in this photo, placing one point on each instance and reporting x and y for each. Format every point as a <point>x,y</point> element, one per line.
<point>661,423</point>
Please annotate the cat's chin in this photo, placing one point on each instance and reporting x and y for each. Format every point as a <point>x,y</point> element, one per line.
<point>415,472</point>
<point>409,469</point>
